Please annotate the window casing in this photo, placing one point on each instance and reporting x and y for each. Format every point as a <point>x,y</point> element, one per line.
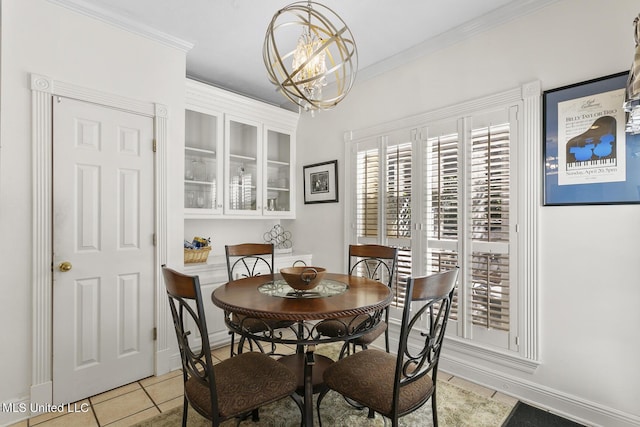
<point>446,191</point>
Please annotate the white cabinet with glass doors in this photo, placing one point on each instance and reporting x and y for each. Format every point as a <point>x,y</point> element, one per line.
<point>202,163</point>
<point>279,150</point>
<point>258,169</point>
<point>250,164</point>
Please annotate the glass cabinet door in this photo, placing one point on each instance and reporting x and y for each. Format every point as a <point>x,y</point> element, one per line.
<point>203,164</point>
<point>278,170</point>
<point>243,168</point>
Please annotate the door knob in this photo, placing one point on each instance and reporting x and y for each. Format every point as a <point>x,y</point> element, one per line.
<point>65,266</point>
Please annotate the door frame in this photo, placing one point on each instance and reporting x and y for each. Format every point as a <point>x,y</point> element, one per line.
<point>43,91</point>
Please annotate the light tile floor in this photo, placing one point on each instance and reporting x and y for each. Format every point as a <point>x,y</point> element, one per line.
<point>151,396</point>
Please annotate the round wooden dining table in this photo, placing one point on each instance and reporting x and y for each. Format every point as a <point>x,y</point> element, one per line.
<point>267,299</point>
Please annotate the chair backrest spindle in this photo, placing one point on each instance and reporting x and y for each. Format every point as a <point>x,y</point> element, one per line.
<point>249,259</point>
<point>375,262</point>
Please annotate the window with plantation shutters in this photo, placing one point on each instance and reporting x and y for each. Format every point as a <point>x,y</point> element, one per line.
<point>442,204</point>
<point>489,194</point>
<point>467,187</point>
<point>398,194</point>
<point>465,211</point>
<point>367,197</point>
<point>443,188</point>
<point>383,200</point>
<point>398,212</point>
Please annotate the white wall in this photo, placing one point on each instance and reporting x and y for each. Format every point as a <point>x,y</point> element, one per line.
<point>41,37</point>
<point>228,231</point>
<point>588,282</point>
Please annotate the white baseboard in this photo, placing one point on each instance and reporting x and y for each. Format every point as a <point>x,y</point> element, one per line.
<point>568,406</point>
<point>13,411</point>
<point>219,339</point>
<point>42,393</point>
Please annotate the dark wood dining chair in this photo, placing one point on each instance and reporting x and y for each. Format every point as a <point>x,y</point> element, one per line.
<point>235,387</point>
<point>395,385</point>
<point>249,260</point>
<point>375,262</point>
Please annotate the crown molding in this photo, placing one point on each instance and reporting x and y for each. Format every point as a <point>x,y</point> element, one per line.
<point>488,21</point>
<point>122,22</point>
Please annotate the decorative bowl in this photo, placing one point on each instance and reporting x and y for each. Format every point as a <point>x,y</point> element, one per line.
<point>302,278</point>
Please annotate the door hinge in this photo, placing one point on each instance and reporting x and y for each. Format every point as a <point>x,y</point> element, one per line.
<point>155,334</point>
<point>517,340</point>
<point>155,241</point>
<point>155,145</point>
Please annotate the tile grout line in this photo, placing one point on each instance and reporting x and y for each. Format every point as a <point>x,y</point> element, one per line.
<point>149,396</point>
<point>135,413</point>
<point>118,396</point>
<point>93,411</point>
<point>124,418</point>
<point>111,398</point>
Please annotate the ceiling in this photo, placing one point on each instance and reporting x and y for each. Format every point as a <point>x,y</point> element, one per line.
<point>224,38</point>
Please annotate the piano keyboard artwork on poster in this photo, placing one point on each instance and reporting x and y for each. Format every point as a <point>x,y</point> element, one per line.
<point>594,148</point>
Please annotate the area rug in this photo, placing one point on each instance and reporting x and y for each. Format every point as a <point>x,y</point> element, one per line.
<point>456,408</point>
<point>524,415</point>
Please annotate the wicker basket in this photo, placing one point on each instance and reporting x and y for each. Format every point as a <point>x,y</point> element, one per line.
<point>196,255</point>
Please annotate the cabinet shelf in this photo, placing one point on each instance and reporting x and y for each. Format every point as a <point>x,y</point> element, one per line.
<point>238,157</point>
<point>277,163</point>
<point>191,181</point>
<point>199,151</point>
<point>277,189</point>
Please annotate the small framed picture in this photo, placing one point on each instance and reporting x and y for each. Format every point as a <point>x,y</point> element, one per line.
<point>321,182</point>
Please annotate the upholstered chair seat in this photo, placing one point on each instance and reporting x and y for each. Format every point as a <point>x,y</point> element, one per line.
<point>368,376</point>
<point>243,383</point>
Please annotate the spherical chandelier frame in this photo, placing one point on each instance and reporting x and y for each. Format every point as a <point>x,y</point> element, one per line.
<point>302,75</point>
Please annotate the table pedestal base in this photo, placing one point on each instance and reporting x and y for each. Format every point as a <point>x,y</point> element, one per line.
<point>297,364</point>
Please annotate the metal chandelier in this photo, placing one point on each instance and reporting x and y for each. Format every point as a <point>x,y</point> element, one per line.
<point>310,55</point>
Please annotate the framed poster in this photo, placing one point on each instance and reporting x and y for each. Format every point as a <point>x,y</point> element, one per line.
<point>588,157</point>
<point>321,182</point>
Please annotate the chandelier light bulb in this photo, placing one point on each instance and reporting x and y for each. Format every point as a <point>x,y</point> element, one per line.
<point>309,66</point>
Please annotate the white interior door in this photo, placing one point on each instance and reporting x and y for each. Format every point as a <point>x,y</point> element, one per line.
<point>103,254</point>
